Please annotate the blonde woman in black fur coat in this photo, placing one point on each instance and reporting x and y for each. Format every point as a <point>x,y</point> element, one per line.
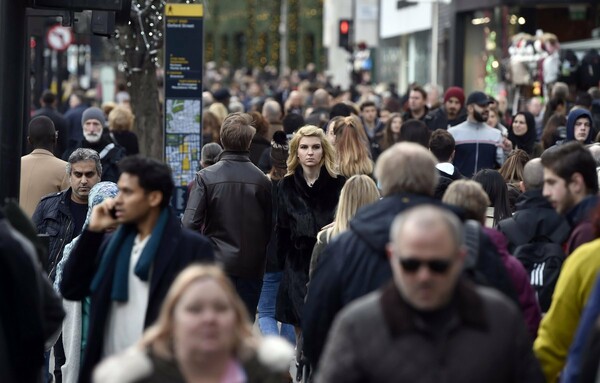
<point>308,196</point>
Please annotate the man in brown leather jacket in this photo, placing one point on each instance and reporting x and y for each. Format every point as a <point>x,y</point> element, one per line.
<point>230,203</point>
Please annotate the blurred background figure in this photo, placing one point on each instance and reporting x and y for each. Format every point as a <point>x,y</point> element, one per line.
<point>41,172</point>
<point>267,323</point>
<point>496,189</point>
<point>351,147</point>
<point>120,123</point>
<point>211,127</point>
<point>48,109</point>
<point>512,172</point>
<point>523,135</point>
<point>391,132</point>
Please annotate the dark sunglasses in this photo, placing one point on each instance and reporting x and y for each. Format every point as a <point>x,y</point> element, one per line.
<point>438,266</point>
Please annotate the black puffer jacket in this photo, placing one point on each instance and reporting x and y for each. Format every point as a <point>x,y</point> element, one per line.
<point>231,203</point>
<point>53,217</point>
<point>535,220</point>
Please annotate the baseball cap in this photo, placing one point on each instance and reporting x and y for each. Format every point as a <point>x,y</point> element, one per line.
<point>478,98</point>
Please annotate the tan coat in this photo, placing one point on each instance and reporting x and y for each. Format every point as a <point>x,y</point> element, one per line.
<point>41,174</point>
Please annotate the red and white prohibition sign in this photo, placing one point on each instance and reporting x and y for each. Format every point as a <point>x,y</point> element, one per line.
<point>59,38</point>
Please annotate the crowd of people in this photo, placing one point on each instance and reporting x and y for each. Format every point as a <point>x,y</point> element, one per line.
<point>385,237</point>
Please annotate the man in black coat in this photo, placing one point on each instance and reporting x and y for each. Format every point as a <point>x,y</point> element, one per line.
<point>61,215</point>
<point>356,263</point>
<point>231,203</point>
<point>451,113</point>
<point>77,106</point>
<point>126,300</point>
<point>48,109</point>
<point>535,219</point>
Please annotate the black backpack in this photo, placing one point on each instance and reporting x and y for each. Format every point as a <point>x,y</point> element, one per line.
<point>543,261</point>
<point>542,257</point>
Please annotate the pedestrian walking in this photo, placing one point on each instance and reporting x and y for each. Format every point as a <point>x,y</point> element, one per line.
<point>231,202</point>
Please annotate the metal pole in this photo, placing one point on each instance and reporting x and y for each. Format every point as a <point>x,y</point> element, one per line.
<point>283,36</point>
<point>434,41</point>
<point>12,84</point>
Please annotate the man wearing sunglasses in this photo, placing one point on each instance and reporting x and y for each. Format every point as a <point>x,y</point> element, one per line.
<point>429,324</point>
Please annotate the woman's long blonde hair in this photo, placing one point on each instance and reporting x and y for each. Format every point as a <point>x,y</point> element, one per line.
<point>352,148</point>
<point>328,158</point>
<point>160,335</point>
<point>358,191</point>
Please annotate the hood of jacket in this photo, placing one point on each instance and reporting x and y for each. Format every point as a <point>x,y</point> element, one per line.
<point>531,199</point>
<point>372,222</point>
<point>582,210</point>
<point>572,118</point>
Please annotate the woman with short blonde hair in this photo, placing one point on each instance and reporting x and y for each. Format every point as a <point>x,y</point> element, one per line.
<point>120,124</point>
<point>219,110</point>
<point>470,196</point>
<point>120,119</point>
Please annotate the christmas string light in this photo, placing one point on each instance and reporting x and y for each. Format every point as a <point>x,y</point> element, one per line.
<point>140,42</point>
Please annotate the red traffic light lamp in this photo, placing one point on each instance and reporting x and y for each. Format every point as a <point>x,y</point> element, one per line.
<point>345,34</point>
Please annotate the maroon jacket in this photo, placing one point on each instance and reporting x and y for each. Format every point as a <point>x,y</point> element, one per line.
<point>518,274</point>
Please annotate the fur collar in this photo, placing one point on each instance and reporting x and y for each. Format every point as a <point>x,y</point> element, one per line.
<point>400,319</point>
<point>134,364</point>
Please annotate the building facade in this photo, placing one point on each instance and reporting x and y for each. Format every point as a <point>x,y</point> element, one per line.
<point>483,30</point>
<point>249,33</point>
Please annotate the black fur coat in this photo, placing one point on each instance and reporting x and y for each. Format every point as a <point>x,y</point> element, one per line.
<point>302,211</point>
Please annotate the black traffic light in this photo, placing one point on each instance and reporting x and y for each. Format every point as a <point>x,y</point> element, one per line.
<point>345,34</point>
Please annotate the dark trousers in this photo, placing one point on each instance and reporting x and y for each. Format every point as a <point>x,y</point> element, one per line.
<point>249,290</point>
<point>59,361</point>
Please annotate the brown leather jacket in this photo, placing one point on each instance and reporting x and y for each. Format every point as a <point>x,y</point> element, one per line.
<point>230,203</point>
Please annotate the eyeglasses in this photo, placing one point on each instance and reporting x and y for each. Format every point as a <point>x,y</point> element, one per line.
<point>438,266</point>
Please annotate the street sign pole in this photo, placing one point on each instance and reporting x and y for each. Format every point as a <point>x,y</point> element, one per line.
<point>183,94</point>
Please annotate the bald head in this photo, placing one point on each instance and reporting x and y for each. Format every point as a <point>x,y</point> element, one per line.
<point>321,98</point>
<point>271,111</point>
<point>595,150</point>
<point>42,134</point>
<point>533,175</point>
<point>426,237</point>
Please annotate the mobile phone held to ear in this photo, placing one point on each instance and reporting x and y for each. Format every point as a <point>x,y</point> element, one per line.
<point>113,212</point>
